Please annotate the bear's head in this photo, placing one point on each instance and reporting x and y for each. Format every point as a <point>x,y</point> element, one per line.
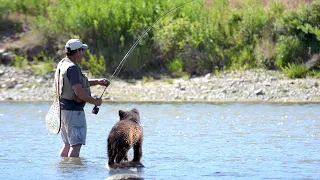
<point>133,115</point>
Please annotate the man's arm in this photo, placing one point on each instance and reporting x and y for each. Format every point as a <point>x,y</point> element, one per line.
<point>74,78</point>
<point>101,82</point>
<point>79,91</point>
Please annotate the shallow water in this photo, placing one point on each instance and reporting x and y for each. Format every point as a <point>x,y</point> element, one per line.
<point>181,141</point>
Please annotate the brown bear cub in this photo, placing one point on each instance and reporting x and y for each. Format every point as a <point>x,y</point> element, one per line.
<point>124,135</point>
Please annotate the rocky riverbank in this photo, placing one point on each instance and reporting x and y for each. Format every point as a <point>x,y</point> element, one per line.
<point>238,86</point>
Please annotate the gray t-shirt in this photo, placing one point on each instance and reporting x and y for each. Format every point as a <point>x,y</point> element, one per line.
<point>74,78</point>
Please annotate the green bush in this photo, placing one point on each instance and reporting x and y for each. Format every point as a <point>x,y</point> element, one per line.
<point>20,61</point>
<point>95,65</point>
<point>5,7</point>
<point>314,73</point>
<point>175,65</point>
<point>42,64</point>
<point>295,71</point>
<point>299,34</point>
<point>147,79</point>
<point>286,50</point>
<point>31,7</point>
<point>42,68</point>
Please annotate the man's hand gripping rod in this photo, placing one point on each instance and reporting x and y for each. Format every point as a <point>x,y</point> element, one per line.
<point>95,109</point>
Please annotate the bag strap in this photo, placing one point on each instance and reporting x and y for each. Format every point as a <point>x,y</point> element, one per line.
<point>58,77</point>
<point>59,84</point>
<point>58,94</point>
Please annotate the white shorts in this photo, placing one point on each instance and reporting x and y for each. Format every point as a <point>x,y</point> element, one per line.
<point>73,127</point>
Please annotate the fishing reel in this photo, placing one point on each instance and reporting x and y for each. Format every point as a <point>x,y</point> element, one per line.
<point>95,110</point>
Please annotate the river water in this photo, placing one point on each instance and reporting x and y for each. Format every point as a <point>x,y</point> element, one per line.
<point>181,141</point>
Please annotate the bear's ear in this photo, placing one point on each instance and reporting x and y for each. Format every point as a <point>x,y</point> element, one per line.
<point>122,114</point>
<point>135,111</point>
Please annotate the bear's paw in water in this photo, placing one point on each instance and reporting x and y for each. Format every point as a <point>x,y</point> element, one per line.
<point>127,133</point>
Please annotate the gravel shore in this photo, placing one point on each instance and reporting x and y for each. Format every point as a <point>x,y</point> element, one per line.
<point>237,86</point>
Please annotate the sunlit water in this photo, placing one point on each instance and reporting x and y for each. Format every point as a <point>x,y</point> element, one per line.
<point>181,141</point>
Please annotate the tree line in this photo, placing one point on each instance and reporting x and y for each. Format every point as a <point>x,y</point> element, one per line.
<point>203,36</point>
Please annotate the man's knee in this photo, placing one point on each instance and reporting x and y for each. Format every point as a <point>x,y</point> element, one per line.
<point>76,146</point>
<point>75,150</point>
<point>65,150</point>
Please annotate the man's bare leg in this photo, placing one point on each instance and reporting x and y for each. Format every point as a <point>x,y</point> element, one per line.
<point>75,150</point>
<point>65,150</point>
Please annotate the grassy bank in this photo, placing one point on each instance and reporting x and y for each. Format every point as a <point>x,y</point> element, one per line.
<point>204,36</point>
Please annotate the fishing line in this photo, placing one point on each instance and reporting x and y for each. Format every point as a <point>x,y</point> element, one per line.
<point>115,74</point>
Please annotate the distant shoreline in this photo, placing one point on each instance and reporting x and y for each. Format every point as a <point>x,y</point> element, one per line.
<point>250,86</point>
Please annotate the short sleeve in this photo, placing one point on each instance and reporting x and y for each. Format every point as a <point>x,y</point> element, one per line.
<point>73,74</point>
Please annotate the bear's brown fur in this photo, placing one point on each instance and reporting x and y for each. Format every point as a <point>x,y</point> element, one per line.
<point>124,135</point>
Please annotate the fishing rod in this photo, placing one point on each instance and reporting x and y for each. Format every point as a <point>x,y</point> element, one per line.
<point>115,74</point>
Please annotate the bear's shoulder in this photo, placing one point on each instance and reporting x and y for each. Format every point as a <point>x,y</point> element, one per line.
<point>130,116</point>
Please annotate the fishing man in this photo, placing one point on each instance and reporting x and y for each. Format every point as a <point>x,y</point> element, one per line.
<point>74,90</point>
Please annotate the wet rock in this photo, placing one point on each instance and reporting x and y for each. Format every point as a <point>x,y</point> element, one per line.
<point>259,92</point>
<point>208,76</point>
<point>234,91</point>
<point>12,85</point>
<point>5,57</point>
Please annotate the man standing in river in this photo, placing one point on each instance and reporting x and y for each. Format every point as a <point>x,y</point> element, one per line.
<point>74,91</point>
